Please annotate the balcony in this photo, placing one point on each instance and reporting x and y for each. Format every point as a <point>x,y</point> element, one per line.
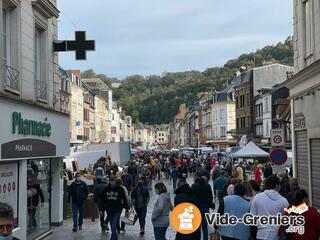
<point>42,90</point>
<point>11,76</point>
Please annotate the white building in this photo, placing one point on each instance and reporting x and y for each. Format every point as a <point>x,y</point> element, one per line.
<point>34,132</point>
<point>115,124</point>
<point>223,119</point>
<point>304,89</point>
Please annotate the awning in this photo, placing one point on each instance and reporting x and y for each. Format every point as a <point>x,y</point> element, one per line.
<point>250,150</point>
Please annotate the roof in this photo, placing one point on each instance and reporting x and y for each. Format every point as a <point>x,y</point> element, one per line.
<point>250,150</point>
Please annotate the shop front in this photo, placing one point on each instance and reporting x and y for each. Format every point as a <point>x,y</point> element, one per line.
<point>33,142</point>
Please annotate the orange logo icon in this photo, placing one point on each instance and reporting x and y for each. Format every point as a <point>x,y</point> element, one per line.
<point>186,218</point>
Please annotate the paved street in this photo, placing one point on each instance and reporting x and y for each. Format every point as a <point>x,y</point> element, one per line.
<point>92,229</point>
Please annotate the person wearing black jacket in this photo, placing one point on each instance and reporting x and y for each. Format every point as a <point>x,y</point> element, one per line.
<point>133,171</point>
<point>35,194</point>
<point>185,194</point>
<point>204,199</point>
<point>98,189</point>
<point>114,200</point>
<point>78,191</point>
<point>140,198</point>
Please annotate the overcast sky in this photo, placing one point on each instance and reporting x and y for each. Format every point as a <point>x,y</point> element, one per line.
<point>154,36</point>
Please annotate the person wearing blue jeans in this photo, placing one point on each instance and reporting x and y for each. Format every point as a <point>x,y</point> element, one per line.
<point>114,221</point>
<point>161,212</point>
<point>203,199</point>
<point>77,215</point>
<point>204,225</point>
<point>114,201</point>
<point>160,233</point>
<point>78,191</point>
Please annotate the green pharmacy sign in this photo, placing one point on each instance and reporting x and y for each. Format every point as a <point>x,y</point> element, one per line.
<point>30,127</point>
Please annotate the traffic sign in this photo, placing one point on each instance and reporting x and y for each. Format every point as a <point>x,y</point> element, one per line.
<point>278,156</point>
<point>277,137</point>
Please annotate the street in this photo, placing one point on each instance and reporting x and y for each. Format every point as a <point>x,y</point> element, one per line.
<point>92,230</point>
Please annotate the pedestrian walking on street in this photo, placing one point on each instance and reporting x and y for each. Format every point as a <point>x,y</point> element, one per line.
<point>204,199</point>
<point>158,168</point>
<point>114,199</point>
<point>127,180</point>
<point>267,171</point>
<point>294,186</point>
<point>258,174</point>
<point>230,189</point>
<point>161,211</point>
<point>140,198</point>
<point>215,175</point>
<point>121,225</point>
<point>133,171</point>
<point>78,192</point>
<point>235,205</point>
<point>220,185</point>
<point>268,203</point>
<point>6,222</point>
<point>174,177</point>
<point>185,194</point>
<point>101,185</point>
<point>284,184</point>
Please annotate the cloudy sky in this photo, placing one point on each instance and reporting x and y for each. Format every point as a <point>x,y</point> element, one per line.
<point>154,36</point>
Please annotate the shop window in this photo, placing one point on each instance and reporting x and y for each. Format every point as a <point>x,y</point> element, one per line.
<point>9,186</point>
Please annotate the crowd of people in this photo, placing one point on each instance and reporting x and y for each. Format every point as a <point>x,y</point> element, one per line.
<point>238,189</point>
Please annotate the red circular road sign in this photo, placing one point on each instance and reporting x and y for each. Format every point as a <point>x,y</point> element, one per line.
<point>278,156</point>
<point>277,139</point>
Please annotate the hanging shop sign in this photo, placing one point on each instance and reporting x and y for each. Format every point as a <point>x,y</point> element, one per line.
<point>25,148</point>
<point>30,127</point>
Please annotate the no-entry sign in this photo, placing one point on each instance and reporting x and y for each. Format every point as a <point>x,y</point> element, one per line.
<point>277,137</point>
<point>278,156</point>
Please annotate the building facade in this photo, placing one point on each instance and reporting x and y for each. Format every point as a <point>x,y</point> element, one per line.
<point>244,104</point>
<point>34,131</point>
<point>89,115</point>
<point>76,114</point>
<point>304,89</point>
<point>223,120</point>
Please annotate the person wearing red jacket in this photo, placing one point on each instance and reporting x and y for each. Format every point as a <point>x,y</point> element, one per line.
<point>311,218</point>
<point>258,174</point>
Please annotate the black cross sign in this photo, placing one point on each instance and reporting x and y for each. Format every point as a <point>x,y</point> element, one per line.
<point>80,45</point>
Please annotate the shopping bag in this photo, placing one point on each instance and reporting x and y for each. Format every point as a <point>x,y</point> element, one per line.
<point>214,236</point>
<point>131,219</point>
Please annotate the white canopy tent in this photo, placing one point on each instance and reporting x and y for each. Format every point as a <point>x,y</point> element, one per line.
<point>251,150</point>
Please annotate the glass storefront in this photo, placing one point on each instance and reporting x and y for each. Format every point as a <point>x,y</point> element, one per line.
<point>39,197</point>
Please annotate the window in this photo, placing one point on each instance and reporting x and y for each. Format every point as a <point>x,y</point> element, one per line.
<point>248,99</point>
<point>267,129</point>
<point>223,131</point>
<point>309,30</point>
<point>6,36</point>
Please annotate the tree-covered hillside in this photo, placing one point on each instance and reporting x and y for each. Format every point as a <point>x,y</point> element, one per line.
<point>155,99</point>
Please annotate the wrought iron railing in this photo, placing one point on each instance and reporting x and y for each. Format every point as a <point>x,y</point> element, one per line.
<point>42,90</point>
<point>11,76</point>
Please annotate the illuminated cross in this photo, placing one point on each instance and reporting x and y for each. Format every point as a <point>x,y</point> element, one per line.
<point>80,45</point>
